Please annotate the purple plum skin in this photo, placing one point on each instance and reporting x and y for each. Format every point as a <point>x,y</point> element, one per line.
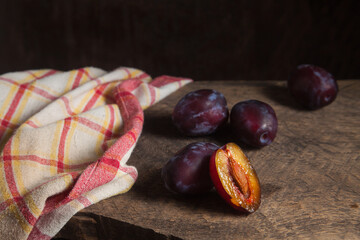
<point>187,172</point>
<point>200,112</point>
<point>254,123</point>
<point>312,86</point>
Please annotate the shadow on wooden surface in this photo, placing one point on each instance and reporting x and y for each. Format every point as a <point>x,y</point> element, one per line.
<point>95,227</point>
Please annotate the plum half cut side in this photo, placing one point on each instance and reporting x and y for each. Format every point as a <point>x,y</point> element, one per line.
<point>235,179</point>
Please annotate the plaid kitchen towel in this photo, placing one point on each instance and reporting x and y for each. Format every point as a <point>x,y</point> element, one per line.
<point>65,138</point>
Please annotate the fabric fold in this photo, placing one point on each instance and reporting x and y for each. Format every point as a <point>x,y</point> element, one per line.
<point>65,140</point>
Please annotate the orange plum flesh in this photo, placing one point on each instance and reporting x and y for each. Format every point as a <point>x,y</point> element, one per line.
<point>235,179</point>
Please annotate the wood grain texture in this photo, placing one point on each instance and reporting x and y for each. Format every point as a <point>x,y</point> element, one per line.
<point>204,39</point>
<point>310,176</point>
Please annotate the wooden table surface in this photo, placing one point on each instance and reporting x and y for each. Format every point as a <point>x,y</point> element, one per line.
<point>310,176</point>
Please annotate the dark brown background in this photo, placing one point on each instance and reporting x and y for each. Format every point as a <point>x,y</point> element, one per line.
<point>203,39</point>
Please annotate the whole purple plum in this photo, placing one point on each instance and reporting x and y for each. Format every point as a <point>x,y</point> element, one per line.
<point>200,112</point>
<point>312,86</point>
<point>254,122</point>
<point>187,172</point>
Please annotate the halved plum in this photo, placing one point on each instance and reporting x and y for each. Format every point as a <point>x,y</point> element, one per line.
<point>235,179</point>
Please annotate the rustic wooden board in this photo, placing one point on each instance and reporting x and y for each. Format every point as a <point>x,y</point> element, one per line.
<point>310,176</point>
